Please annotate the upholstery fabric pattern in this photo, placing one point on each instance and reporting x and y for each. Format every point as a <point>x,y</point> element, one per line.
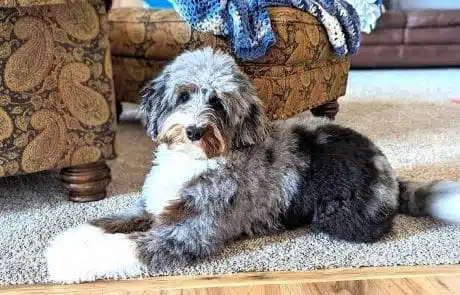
<point>162,34</point>
<point>22,3</point>
<point>285,90</point>
<point>300,71</point>
<point>57,105</point>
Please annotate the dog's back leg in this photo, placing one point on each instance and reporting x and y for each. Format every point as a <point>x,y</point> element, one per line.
<point>346,220</point>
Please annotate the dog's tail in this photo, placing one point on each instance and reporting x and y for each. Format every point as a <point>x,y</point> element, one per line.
<point>439,199</point>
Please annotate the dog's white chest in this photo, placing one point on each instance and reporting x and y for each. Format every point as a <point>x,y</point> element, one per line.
<point>171,170</point>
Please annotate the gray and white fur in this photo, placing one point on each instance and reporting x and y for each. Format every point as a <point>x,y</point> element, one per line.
<point>223,171</point>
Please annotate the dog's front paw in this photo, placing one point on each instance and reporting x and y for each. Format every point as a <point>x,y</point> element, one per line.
<point>87,253</point>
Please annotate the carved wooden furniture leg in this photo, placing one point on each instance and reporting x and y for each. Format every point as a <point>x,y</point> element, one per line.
<point>119,108</point>
<point>329,109</point>
<point>87,183</point>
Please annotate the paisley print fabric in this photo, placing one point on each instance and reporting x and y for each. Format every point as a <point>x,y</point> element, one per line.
<point>57,105</point>
<point>23,3</point>
<point>299,72</point>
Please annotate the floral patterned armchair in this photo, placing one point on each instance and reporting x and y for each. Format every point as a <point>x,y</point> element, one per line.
<point>57,107</point>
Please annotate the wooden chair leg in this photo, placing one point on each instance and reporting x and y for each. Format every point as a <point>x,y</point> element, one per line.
<point>329,109</point>
<point>87,183</point>
<point>119,108</point>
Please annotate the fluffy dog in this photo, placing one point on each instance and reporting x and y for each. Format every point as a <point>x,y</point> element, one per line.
<point>223,171</point>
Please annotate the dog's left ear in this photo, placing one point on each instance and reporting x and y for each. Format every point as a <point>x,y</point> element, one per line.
<point>252,126</point>
<point>153,103</point>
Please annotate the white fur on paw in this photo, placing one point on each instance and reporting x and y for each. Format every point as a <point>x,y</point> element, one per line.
<point>445,203</point>
<point>86,253</point>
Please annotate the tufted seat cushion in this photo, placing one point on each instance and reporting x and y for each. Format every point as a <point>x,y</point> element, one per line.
<point>298,73</point>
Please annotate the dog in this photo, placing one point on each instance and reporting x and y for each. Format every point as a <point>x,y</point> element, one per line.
<point>222,171</point>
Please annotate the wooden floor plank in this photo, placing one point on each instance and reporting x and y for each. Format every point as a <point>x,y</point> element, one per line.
<point>439,285</point>
<point>409,286</point>
<point>368,278</point>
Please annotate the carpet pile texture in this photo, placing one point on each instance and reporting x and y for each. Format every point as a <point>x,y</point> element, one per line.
<point>420,134</point>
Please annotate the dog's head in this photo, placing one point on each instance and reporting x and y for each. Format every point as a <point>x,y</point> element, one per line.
<point>203,100</point>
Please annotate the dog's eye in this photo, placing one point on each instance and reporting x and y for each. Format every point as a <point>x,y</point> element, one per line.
<point>214,100</point>
<point>183,97</point>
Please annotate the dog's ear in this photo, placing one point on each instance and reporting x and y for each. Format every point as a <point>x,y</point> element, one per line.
<point>253,123</point>
<point>153,103</point>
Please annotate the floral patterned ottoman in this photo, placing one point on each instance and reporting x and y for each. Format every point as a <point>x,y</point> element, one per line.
<point>299,73</point>
<point>57,107</point>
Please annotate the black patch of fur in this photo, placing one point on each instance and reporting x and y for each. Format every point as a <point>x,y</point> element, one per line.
<point>252,129</point>
<point>300,211</point>
<point>306,140</point>
<point>270,155</point>
<point>219,109</point>
<point>252,118</point>
<point>253,113</point>
<point>339,182</point>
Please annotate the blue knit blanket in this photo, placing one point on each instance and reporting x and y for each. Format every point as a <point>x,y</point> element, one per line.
<point>247,23</point>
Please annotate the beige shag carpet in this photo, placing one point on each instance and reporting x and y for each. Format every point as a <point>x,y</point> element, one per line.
<point>421,136</point>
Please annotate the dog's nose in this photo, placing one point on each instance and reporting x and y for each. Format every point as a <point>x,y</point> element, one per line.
<point>194,133</point>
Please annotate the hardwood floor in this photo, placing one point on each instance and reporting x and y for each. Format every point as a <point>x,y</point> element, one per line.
<point>408,280</point>
<point>419,286</point>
